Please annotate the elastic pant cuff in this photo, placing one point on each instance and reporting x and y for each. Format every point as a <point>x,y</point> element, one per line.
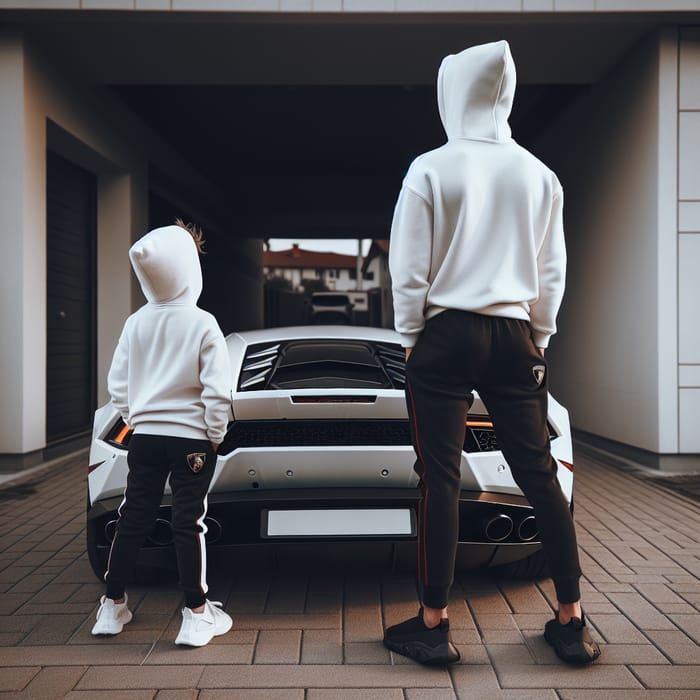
<point>567,589</point>
<point>115,591</point>
<point>195,601</point>
<point>435,596</point>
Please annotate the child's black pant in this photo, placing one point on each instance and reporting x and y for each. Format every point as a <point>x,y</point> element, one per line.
<point>456,352</point>
<point>151,459</point>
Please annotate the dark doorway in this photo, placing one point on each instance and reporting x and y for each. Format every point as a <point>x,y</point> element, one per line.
<point>71,203</point>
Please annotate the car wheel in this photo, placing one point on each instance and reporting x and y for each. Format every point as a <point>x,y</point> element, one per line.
<point>532,567</point>
<point>97,556</point>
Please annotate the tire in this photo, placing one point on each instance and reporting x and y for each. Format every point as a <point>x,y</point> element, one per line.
<point>97,556</point>
<point>532,567</point>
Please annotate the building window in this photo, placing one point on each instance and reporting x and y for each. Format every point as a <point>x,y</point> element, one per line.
<point>369,276</point>
<point>353,274</point>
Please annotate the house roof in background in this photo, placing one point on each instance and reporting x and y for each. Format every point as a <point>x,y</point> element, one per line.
<point>299,258</point>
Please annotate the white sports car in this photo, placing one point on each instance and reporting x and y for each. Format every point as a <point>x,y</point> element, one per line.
<point>319,448</point>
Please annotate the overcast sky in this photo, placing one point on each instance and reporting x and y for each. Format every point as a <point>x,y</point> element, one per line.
<point>323,245</point>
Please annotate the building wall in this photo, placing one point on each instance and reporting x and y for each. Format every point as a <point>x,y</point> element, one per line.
<point>40,110</point>
<point>364,6</point>
<point>615,360</point>
<point>689,240</point>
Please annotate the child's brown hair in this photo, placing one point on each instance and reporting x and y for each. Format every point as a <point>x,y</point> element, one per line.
<point>195,232</point>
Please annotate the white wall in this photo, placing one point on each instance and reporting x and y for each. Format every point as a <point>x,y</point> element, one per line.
<point>614,360</point>
<point>40,109</point>
<point>689,241</point>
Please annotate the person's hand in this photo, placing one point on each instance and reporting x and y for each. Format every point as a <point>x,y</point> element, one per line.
<point>214,448</point>
<point>408,353</point>
<point>541,350</point>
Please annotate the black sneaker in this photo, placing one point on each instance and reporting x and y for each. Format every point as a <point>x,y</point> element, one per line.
<point>572,642</point>
<point>432,647</point>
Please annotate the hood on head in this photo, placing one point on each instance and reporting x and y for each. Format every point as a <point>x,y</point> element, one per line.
<point>475,92</point>
<point>166,263</point>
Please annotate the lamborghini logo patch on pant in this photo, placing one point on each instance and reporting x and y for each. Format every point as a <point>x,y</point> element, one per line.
<point>538,373</point>
<point>196,461</point>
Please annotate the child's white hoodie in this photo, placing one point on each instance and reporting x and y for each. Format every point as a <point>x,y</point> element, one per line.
<point>170,374</point>
<point>478,222</point>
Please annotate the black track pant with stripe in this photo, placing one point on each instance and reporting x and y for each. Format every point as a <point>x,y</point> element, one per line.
<point>151,459</point>
<point>457,352</point>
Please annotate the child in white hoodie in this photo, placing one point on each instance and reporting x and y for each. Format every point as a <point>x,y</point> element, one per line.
<point>170,380</point>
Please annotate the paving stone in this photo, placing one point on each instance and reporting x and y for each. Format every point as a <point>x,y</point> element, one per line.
<point>504,654</point>
<point>362,621</point>
<point>109,694</point>
<point>347,694</point>
<point>460,615</point>
<point>278,647</point>
<point>251,694</point>
<point>33,583</point>
<point>77,655</point>
<point>366,653</point>
<point>53,683</point>
<point>677,646</point>
<point>470,636</point>
<point>287,595</point>
<point>322,647</point>
<point>286,622</point>
<point>60,630</point>
<point>502,637</point>
<point>495,621</point>
<point>690,624</point>
<point>430,694</point>
<point>166,653</point>
<point>608,694</point>
<point>324,595</point>
<point>687,677</point>
<point>474,682</point>
<point>178,694</point>
<point>142,677</point>
<point>617,629</point>
<point>310,676</point>
<point>525,598</point>
<point>11,602</point>
<point>626,654</point>
<point>16,678</point>
<point>561,676</point>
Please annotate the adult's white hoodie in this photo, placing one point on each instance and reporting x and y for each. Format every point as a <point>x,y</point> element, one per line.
<point>170,374</point>
<point>478,222</point>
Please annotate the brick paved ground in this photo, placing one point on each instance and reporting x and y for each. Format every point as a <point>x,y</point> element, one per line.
<point>306,635</point>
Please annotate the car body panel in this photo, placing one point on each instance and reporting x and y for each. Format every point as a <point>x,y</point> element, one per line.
<point>281,448</point>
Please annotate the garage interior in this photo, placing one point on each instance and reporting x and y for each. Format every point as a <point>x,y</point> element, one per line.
<point>304,124</point>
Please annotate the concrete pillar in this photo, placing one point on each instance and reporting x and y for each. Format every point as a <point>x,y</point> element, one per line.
<point>615,362</point>
<point>23,278</point>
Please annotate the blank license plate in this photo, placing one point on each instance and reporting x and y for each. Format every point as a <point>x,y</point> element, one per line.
<point>367,522</point>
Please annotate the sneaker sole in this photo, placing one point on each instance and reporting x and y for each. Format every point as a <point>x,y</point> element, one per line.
<point>580,659</point>
<point>425,654</point>
<point>110,632</point>
<point>204,642</point>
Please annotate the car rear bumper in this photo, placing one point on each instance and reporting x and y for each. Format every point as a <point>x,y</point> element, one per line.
<point>494,528</point>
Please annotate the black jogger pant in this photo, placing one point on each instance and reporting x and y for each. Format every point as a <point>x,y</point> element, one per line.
<point>456,352</point>
<point>151,459</point>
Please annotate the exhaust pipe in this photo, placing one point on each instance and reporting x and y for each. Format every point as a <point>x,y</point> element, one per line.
<point>214,530</point>
<point>527,530</point>
<point>498,527</point>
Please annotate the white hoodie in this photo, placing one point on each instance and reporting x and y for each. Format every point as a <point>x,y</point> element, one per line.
<point>170,374</point>
<point>478,222</point>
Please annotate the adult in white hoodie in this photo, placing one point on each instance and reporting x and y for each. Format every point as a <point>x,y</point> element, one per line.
<point>170,380</point>
<point>477,260</point>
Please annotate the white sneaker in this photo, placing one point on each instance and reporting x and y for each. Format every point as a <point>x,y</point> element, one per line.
<point>111,616</point>
<point>198,629</point>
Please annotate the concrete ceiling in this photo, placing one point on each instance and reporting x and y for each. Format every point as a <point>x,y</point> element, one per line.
<point>307,124</point>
